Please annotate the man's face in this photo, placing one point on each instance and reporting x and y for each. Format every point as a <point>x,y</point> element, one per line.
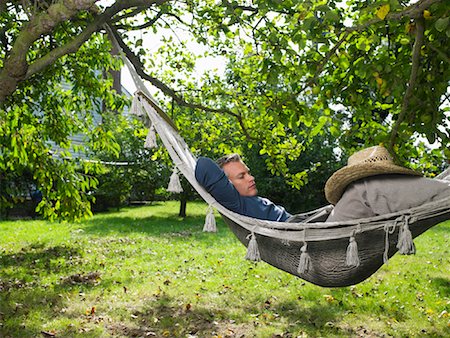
<point>239,175</point>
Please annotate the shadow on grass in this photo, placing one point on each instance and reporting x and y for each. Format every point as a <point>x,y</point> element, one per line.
<point>170,226</point>
<point>162,314</point>
<point>36,258</point>
<point>23,292</point>
<point>442,285</point>
<point>165,316</point>
<point>154,225</point>
<point>16,305</point>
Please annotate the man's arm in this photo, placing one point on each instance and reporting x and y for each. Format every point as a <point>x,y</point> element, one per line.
<point>213,179</point>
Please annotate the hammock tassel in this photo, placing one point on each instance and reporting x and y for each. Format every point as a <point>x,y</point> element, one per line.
<point>405,244</point>
<point>252,249</point>
<point>388,230</point>
<point>150,140</point>
<point>210,221</point>
<point>136,106</point>
<point>305,260</point>
<point>352,258</point>
<point>174,183</point>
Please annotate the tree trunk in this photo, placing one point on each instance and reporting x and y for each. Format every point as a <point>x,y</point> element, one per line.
<point>183,204</point>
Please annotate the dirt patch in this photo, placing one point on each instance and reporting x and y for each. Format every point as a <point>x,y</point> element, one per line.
<point>92,278</point>
<point>361,332</point>
<point>7,285</point>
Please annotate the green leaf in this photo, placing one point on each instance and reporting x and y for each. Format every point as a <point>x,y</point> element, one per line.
<point>441,24</point>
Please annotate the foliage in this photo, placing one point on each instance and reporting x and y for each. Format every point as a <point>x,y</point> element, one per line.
<point>39,118</point>
<point>304,67</point>
<point>144,272</point>
<point>135,174</point>
<point>297,73</point>
<point>316,164</point>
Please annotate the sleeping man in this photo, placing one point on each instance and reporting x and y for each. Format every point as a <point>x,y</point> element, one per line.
<point>231,184</point>
<point>370,185</point>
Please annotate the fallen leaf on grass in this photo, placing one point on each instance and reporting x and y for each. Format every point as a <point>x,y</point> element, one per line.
<point>329,298</point>
<point>91,311</point>
<point>49,333</point>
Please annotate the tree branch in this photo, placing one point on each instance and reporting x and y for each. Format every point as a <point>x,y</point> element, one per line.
<point>415,68</point>
<point>414,11</point>
<point>73,45</point>
<point>130,14</point>
<point>16,68</point>
<point>139,66</point>
<point>149,23</point>
<point>3,5</point>
<point>439,52</point>
<point>324,61</point>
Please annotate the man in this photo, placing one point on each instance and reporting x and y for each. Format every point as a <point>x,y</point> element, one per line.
<point>232,185</point>
<point>370,185</point>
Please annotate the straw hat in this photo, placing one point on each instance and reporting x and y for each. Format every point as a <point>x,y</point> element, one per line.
<point>364,163</point>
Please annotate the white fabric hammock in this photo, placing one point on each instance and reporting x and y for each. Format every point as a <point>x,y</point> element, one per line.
<point>331,254</point>
<point>328,254</point>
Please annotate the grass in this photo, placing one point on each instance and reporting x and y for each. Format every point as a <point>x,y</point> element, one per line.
<point>143,272</point>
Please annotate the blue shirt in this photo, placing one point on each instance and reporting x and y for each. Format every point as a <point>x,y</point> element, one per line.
<point>213,179</point>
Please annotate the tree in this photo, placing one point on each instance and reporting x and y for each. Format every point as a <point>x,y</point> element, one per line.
<point>133,175</point>
<point>368,72</point>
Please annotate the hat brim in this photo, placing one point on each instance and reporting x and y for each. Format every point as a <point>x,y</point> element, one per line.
<point>338,182</point>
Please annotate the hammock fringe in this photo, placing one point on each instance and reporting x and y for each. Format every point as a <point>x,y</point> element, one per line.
<point>305,263</point>
<point>150,140</point>
<point>210,221</point>
<point>174,183</point>
<point>405,243</point>
<point>352,258</point>
<point>252,249</point>
<point>136,106</point>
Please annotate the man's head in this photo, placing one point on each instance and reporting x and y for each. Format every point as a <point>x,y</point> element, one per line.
<point>239,174</point>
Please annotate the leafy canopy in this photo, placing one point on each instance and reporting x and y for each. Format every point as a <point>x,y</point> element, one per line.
<point>347,74</point>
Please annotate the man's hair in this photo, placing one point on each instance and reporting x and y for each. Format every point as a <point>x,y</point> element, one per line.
<point>227,159</point>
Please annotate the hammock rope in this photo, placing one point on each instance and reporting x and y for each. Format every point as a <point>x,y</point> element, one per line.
<point>331,254</point>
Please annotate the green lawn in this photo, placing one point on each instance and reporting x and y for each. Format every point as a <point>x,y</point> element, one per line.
<point>143,272</point>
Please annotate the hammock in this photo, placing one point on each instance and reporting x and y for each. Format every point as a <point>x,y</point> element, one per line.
<point>329,254</point>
